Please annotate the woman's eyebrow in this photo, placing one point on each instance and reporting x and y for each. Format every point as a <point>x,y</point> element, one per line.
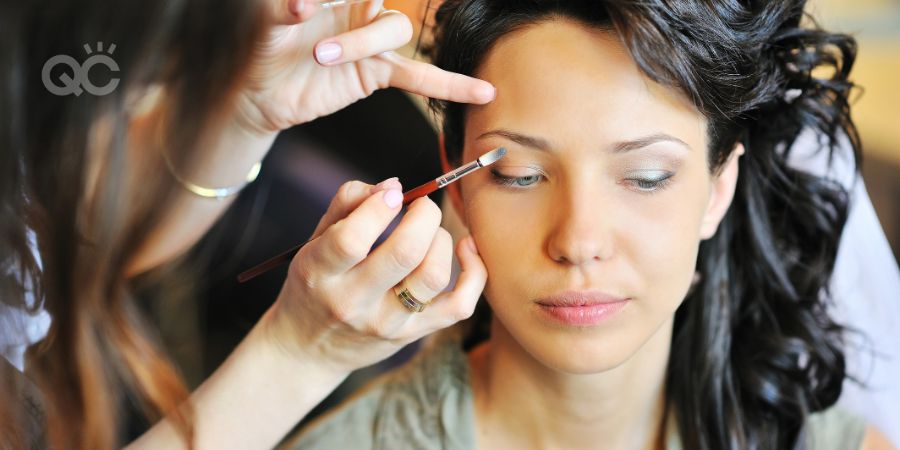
<point>634,144</point>
<point>521,139</point>
<point>538,143</point>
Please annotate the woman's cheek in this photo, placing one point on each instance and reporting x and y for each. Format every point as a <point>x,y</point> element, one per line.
<point>662,245</point>
<point>507,230</point>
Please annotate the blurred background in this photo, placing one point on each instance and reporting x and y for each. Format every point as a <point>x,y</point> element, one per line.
<point>876,109</point>
<point>390,134</point>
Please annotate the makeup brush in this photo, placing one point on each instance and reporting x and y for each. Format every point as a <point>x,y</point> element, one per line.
<point>408,197</point>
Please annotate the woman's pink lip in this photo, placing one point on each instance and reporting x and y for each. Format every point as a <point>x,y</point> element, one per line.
<point>579,298</point>
<point>583,315</point>
<point>581,308</point>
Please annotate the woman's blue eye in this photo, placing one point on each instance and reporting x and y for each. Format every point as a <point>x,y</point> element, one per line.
<point>516,181</point>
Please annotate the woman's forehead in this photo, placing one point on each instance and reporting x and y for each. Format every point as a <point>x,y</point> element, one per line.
<point>559,77</point>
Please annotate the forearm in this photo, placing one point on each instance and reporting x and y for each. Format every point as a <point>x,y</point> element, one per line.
<point>226,163</point>
<point>251,401</point>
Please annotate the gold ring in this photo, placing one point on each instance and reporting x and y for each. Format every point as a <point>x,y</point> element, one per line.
<point>407,299</point>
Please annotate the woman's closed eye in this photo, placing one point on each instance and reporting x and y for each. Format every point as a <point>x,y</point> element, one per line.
<point>645,182</point>
<point>649,181</point>
<point>516,180</point>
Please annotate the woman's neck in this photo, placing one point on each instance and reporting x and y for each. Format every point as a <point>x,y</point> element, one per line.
<point>521,403</point>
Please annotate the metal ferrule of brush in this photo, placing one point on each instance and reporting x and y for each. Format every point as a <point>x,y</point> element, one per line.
<point>452,176</point>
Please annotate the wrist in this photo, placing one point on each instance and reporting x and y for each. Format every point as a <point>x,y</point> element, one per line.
<point>249,118</point>
<point>278,332</point>
<point>234,151</point>
<point>224,156</point>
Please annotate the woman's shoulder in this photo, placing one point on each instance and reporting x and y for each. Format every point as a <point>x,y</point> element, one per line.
<point>424,404</point>
<point>834,429</point>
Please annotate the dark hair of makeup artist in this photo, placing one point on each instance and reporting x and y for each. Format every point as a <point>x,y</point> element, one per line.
<point>99,356</point>
<point>753,351</point>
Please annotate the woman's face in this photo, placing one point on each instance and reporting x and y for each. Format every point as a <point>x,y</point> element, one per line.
<point>590,225</point>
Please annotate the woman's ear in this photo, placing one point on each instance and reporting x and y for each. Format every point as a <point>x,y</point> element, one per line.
<point>722,194</point>
<point>453,191</point>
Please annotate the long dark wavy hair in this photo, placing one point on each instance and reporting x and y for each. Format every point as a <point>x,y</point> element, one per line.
<point>66,176</point>
<point>753,351</point>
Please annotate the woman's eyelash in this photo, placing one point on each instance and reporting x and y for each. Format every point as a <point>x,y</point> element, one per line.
<point>517,182</point>
<point>651,184</point>
<point>645,185</point>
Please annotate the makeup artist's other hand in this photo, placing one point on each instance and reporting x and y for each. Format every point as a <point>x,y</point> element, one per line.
<point>337,306</point>
<point>333,58</point>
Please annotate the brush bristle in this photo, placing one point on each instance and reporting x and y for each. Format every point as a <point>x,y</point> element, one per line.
<point>491,156</point>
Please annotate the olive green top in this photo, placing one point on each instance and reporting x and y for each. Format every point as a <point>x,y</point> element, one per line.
<point>427,404</point>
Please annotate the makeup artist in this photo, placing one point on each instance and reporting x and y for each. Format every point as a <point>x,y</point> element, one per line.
<point>102,183</point>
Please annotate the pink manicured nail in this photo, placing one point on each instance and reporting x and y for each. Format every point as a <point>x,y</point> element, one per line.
<point>393,198</point>
<point>390,182</point>
<point>492,93</point>
<point>328,52</point>
<point>486,93</point>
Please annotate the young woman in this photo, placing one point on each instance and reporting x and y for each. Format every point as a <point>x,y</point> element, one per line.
<point>657,272</point>
<point>100,186</point>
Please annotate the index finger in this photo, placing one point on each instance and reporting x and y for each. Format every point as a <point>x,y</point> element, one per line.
<point>425,79</point>
<point>347,242</point>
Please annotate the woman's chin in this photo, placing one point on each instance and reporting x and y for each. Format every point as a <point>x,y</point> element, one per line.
<point>582,355</point>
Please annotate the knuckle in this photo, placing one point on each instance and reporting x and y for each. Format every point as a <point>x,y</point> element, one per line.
<point>349,191</point>
<point>436,278</point>
<point>405,257</point>
<point>431,210</point>
<point>405,28</point>
<point>347,245</point>
<point>419,80</point>
<point>461,312</point>
<point>426,215</point>
<point>339,312</point>
<point>375,329</point>
<point>444,237</point>
<point>305,274</point>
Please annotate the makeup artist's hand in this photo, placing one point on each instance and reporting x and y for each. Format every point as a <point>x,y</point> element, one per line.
<point>337,307</point>
<point>335,57</point>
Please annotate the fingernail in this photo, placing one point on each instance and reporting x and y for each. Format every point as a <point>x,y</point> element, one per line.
<point>490,93</point>
<point>393,198</point>
<point>328,52</point>
<point>390,182</point>
<point>471,245</point>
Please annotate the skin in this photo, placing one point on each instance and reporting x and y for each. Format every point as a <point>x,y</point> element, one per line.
<point>337,310</point>
<point>577,212</point>
<point>586,219</point>
<point>288,84</point>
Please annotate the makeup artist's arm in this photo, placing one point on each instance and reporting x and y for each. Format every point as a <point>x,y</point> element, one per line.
<point>346,54</point>
<point>336,312</point>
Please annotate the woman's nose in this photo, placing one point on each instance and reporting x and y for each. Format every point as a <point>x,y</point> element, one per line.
<point>581,229</point>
